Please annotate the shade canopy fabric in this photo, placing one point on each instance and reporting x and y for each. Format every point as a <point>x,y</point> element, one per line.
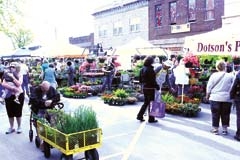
<point>223,41</point>
<point>137,46</point>
<point>18,53</point>
<point>65,50</point>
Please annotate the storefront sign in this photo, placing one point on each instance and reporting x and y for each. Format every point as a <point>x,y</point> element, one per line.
<point>225,47</point>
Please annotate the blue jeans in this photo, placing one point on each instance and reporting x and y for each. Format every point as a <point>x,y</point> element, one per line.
<point>25,84</point>
<point>108,81</point>
<point>220,110</point>
<point>237,104</point>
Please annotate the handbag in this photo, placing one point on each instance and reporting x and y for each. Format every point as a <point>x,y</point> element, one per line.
<point>157,107</point>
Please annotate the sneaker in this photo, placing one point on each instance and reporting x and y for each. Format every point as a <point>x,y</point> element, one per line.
<point>10,130</point>
<point>224,132</point>
<point>19,130</point>
<point>214,131</point>
<point>152,121</point>
<point>140,119</point>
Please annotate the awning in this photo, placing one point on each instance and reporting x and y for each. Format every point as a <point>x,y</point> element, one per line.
<point>223,41</point>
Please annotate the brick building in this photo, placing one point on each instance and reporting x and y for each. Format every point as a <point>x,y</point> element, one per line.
<point>170,21</point>
<point>165,23</point>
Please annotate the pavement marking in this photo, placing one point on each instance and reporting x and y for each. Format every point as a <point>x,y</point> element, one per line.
<point>133,143</point>
<point>111,156</point>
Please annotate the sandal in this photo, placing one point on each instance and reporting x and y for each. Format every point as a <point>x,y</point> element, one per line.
<point>10,130</point>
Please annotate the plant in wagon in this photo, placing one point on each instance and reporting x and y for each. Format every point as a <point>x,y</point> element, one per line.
<point>82,119</point>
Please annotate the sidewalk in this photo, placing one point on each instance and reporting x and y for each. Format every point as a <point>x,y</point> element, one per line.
<point>125,138</point>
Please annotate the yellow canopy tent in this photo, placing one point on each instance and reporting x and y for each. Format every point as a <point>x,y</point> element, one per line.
<point>65,50</point>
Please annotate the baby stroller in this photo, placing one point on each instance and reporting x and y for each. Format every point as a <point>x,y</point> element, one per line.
<point>36,105</point>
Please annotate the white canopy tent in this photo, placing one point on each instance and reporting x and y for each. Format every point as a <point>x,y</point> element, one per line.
<point>223,41</point>
<point>137,46</point>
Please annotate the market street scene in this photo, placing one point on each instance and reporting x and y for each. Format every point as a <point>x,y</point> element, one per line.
<point>173,137</point>
<point>119,80</point>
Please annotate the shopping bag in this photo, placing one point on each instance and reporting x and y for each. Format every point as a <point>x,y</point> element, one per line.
<point>157,109</point>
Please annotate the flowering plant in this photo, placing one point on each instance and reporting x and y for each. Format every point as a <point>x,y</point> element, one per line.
<point>190,58</point>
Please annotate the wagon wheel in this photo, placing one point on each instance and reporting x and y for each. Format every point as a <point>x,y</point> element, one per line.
<point>30,135</point>
<point>91,154</point>
<point>66,157</point>
<point>37,141</point>
<point>47,152</point>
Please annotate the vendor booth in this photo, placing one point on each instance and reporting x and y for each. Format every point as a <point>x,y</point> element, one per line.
<point>223,41</point>
<point>137,46</point>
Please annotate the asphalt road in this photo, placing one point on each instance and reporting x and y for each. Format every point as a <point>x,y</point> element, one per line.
<point>124,138</point>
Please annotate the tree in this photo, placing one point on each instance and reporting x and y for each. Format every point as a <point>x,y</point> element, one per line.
<point>10,23</point>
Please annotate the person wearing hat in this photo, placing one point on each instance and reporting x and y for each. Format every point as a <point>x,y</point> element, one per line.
<point>14,108</point>
<point>162,74</point>
<point>8,78</point>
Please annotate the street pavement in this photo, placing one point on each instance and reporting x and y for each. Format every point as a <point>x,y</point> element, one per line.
<point>125,138</point>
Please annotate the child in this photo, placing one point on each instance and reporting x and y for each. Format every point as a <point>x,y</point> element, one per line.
<point>8,78</point>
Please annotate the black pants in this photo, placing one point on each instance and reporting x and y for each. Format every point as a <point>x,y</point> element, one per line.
<point>14,109</point>
<point>220,111</point>
<point>149,95</point>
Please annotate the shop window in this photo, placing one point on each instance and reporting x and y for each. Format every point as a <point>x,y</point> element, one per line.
<point>191,10</point>
<point>158,15</point>
<point>173,12</point>
<point>209,9</point>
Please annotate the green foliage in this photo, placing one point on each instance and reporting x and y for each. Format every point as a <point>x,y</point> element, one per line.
<point>189,109</point>
<point>120,93</point>
<point>11,19</point>
<point>168,98</point>
<point>82,119</point>
<point>137,68</point>
<point>212,59</point>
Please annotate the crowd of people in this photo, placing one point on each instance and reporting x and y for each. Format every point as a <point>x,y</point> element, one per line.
<point>222,90</point>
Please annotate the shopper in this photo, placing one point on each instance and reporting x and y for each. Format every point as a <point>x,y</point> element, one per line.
<point>70,74</point>
<point>109,71</point>
<point>14,109</point>
<point>162,75</point>
<point>25,73</point>
<point>50,75</point>
<point>235,95</point>
<point>149,84</point>
<point>217,91</point>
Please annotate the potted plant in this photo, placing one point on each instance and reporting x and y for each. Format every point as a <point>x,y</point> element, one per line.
<point>82,119</point>
<point>189,109</point>
<point>191,60</point>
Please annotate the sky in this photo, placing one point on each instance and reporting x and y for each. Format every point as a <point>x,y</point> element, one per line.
<point>55,19</point>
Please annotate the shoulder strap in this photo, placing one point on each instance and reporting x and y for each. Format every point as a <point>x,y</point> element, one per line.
<point>218,81</point>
